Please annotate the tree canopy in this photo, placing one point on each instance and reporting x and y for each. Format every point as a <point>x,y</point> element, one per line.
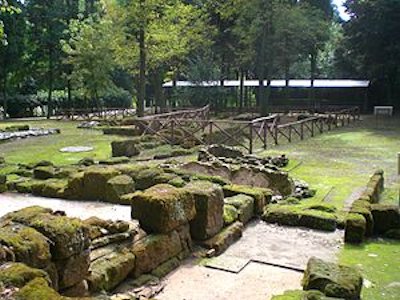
<point>77,52</point>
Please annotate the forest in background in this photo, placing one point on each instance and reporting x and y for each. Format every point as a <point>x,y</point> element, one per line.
<point>112,53</point>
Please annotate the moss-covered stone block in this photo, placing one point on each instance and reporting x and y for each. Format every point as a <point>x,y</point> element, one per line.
<point>303,295</point>
<point>126,148</point>
<point>393,234</point>
<point>73,270</point>
<point>95,181</point>
<point>244,205</point>
<point>75,188</point>
<point>332,279</point>
<point>114,161</point>
<point>261,196</point>
<point>209,202</point>
<point>18,274</point>
<point>154,250</point>
<point>68,236</point>
<point>28,186</point>
<point>166,267</point>
<point>36,289</point>
<point>51,188</point>
<point>355,228</point>
<point>118,186</point>
<point>177,182</point>
<point>385,217</point>
<point>151,176</point>
<point>44,172</point>
<point>25,244</point>
<point>162,208</point>
<point>363,208</point>
<point>231,214</point>
<point>109,271</point>
<point>225,238</point>
<point>292,215</point>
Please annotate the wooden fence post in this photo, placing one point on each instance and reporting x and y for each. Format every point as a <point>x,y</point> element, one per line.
<point>265,132</point>
<point>251,138</point>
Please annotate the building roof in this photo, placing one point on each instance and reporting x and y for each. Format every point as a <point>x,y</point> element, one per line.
<point>294,83</point>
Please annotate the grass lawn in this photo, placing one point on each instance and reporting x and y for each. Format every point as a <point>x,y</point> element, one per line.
<point>338,164</point>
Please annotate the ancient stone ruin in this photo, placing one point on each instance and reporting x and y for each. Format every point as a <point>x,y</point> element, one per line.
<point>177,209</point>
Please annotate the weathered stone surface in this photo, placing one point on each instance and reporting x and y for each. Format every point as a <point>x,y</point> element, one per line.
<point>332,279</point>
<point>209,202</point>
<point>163,208</point>
<point>126,148</point>
<point>153,250</point>
<point>37,288</point>
<point>25,244</point>
<point>124,131</point>
<point>355,228</point>
<point>68,236</point>
<point>73,270</point>
<point>224,151</point>
<point>95,182</point>
<point>166,267</point>
<point>385,217</point>
<point>297,216</point>
<point>225,238</point>
<point>231,214</point>
<point>244,205</point>
<point>186,240</point>
<point>393,234</point>
<point>151,176</point>
<point>261,196</point>
<point>363,207</point>
<point>118,186</point>
<point>3,181</point>
<point>303,295</point>
<point>108,271</point>
<point>44,172</point>
<point>18,274</point>
<point>81,289</point>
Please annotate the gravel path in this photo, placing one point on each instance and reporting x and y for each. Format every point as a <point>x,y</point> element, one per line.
<point>250,274</point>
<point>79,209</point>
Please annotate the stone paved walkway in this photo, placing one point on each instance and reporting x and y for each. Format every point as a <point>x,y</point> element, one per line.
<point>249,269</point>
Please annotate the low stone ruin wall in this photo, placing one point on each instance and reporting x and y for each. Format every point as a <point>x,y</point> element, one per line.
<point>38,243</point>
<point>77,258</point>
<point>24,131</point>
<point>368,217</point>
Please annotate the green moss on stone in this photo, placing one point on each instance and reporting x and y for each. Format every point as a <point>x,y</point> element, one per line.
<point>231,214</point>
<point>302,295</point>
<point>37,289</point>
<point>166,267</point>
<point>293,215</point>
<point>27,245</point>
<point>163,208</point>
<point>355,228</point>
<point>19,274</point>
<point>261,196</point>
<point>44,172</point>
<point>332,279</point>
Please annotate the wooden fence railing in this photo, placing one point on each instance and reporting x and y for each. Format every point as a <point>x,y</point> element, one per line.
<point>174,128</point>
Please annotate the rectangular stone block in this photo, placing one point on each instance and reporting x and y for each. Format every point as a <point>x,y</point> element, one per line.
<point>209,202</point>
<point>162,208</point>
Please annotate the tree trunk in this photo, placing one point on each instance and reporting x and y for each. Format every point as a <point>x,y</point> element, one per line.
<point>50,87</point>
<point>142,68</point>
<point>241,90</point>
<point>5,102</point>
<point>313,63</point>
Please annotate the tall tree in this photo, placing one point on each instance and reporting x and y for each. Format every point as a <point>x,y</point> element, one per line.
<point>156,34</point>
<point>373,34</point>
